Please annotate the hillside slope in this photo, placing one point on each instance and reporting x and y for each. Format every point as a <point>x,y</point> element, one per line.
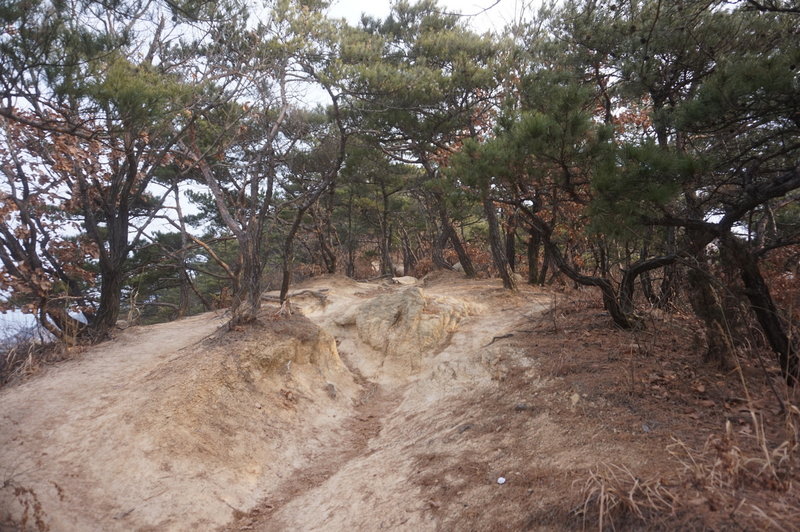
<point>446,405</point>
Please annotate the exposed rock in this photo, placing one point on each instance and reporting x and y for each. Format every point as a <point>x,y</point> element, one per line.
<point>404,326</point>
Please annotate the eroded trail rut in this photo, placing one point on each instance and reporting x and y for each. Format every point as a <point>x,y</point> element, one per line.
<point>351,415</point>
<point>360,429</point>
<point>373,477</point>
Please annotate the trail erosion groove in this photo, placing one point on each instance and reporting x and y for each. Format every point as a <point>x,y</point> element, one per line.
<point>318,421</point>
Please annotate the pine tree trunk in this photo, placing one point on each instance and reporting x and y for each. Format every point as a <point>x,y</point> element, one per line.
<point>511,242</point>
<point>463,256</point>
<point>706,306</point>
<point>704,301</point>
<point>437,250</point>
<point>545,267</point>
<point>629,276</point>
<point>350,269</point>
<point>409,259</point>
<point>534,246</point>
<point>763,306</point>
<point>496,244</point>
<point>387,268</point>
<point>247,298</point>
<point>667,288</point>
<point>105,319</point>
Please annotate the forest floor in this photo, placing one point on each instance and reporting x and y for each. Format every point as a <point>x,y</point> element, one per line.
<point>447,405</point>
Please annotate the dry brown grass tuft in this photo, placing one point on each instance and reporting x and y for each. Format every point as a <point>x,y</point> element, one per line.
<point>725,463</point>
<point>738,479</point>
<point>615,496</point>
<point>25,356</point>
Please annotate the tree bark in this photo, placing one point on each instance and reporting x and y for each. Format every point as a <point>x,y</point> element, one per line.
<point>764,309</point>
<point>496,244</point>
<point>546,261</point>
<point>107,313</point>
<point>387,268</point>
<point>463,256</point>
<point>534,247</point>
<point>628,283</point>
<point>247,297</point>
<point>667,287</point>
<point>704,300</point>
<point>437,250</point>
<point>409,259</point>
<point>610,300</point>
<point>706,306</point>
<point>511,241</point>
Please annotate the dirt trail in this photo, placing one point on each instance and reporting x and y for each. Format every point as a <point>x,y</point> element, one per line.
<point>370,480</point>
<point>65,415</point>
<point>155,431</point>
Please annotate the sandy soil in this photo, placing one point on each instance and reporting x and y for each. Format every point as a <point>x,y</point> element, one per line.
<point>375,407</point>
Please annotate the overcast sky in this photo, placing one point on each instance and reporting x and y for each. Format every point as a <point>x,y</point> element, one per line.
<point>489,15</point>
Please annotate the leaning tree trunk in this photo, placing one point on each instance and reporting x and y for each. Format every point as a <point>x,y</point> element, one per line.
<point>449,233</point>
<point>763,306</point>
<point>534,245</point>
<point>463,256</point>
<point>409,259</point>
<point>437,251</point>
<point>328,256</point>
<point>667,288</point>
<point>705,302</point>
<point>629,276</point>
<point>546,261</point>
<point>552,251</point>
<point>288,255</point>
<point>707,307</point>
<point>496,244</point>
<point>511,241</point>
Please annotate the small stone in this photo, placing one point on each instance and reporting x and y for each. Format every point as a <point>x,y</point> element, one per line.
<point>259,406</point>
<point>501,480</point>
<point>575,398</point>
<point>464,428</point>
<point>331,389</point>
<point>520,407</point>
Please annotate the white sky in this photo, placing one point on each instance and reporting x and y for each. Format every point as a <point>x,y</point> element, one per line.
<point>490,15</point>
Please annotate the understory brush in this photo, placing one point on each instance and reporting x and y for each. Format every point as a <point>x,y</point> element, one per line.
<point>25,354</point>
<point>737,479</point>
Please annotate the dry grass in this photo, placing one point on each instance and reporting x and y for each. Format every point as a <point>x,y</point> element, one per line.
<point>725,463</point>
<point>25,355</point>
<point>741,478</point>
<point>755,480</point>
<point>742,475</point>
<point>614,496</point>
